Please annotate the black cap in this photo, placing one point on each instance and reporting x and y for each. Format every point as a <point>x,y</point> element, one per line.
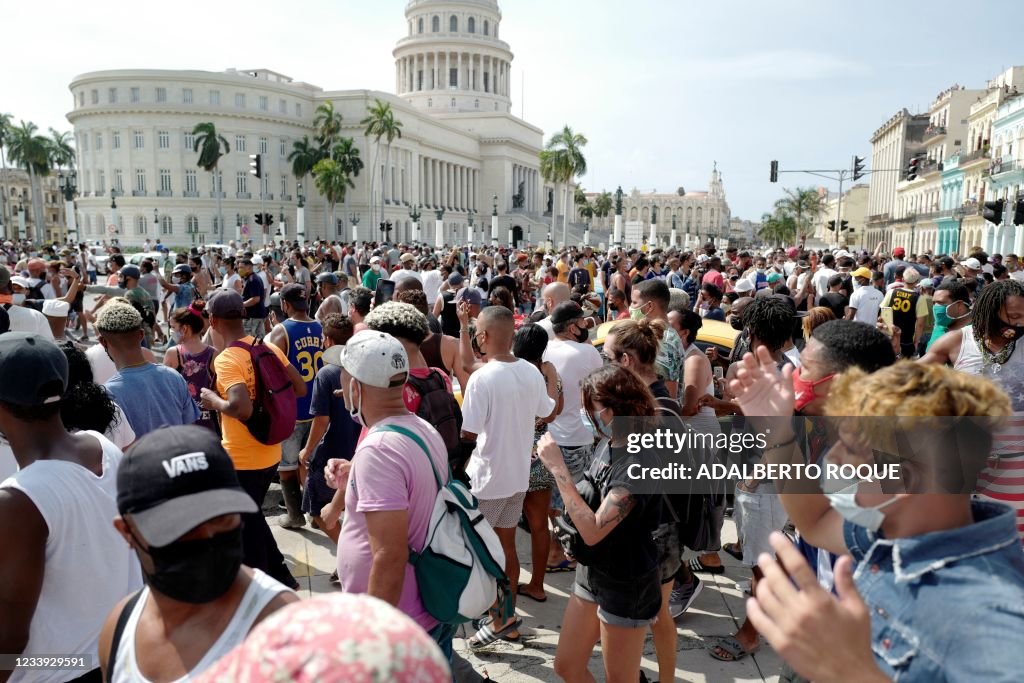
<point>566,311</point>
<point>174,479</point>
<point>225,304</point>
<point>33,370</point>
<point>295,295</point>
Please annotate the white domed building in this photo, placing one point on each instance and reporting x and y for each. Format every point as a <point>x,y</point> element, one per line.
<point>460,145</point>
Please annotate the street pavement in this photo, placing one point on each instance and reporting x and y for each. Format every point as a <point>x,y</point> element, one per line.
<point>717,612</point>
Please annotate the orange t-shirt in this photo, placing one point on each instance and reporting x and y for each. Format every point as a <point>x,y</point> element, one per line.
<point>563,271</point>
<point>234,366</point>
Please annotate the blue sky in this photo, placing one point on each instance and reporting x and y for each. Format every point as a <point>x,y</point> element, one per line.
<point>661,88</point>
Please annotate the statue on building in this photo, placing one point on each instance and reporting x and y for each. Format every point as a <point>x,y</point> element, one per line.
<point>519,198</point>
<point>654,215</point>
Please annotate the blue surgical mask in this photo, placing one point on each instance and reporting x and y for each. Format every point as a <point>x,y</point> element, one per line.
<point>223,270</point>
<point>600,430</point>
<point>845,503</point>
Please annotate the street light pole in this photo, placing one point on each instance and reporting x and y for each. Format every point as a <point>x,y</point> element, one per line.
<point>113,212</point>
<point>494,223</point>
<point>68,186</point>
<point>300,216</point>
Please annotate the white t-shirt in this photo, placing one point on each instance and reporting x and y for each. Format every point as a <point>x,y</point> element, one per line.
<point>403,274</point>
<point>230,281</point>
<point>1017,275</point>
<point>89,567</point>
<point>501,403</point>
<point>867,301</point>
<point>29,320</point>
<point>546,324</point>
<point>102,367</point>
<point>821,279</point>
<point>265,279</point>
<point>431,285</point>
<point>573,361</point>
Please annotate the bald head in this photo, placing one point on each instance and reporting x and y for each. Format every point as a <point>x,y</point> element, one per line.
<point>499,325</point>
<point>408,284</point>
<point>554,294</point>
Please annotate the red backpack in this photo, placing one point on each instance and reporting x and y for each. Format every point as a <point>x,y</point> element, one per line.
<point>274,410</point>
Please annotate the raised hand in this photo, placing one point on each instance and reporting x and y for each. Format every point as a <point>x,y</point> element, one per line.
<point>760,389</point>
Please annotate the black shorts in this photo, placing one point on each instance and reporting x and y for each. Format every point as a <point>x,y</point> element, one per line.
<point>631,602</point>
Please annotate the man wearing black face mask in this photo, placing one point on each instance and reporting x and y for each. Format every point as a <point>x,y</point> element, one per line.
<point>180,504</point>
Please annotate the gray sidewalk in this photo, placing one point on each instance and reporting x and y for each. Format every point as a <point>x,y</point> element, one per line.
<point>717,612</point>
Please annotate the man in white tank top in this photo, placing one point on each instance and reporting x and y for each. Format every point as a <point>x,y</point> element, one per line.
<point>180,504</point>
<point>63,567</point>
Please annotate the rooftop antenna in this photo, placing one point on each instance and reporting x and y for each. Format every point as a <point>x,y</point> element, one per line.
<point>522,96</point>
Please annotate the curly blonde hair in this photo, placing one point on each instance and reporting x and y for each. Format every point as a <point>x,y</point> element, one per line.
<point>922,412</point>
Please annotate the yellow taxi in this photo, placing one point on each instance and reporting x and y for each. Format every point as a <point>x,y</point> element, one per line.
<point>712,333</point>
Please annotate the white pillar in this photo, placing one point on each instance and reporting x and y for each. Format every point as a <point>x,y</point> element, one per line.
<point>355,233</point>
<point>586,236</point>
<point>70,219</point>
<point>469,235</point>
<point>673,238</point>
<point>511,236</point>
<point>458,78</point>
<point>653,239</point>
<point>617,234</point>
<point>494,231</point>
<point>300,225</point>
<point>416,231</point>
<point>438,233</point>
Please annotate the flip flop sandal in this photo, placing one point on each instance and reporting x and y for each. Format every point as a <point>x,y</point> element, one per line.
<point>731,647</point>
<point>563,566</point>
<point>697,566</point>
<point>520,591</point>
<point>734,549</point>
<point>488,636</point>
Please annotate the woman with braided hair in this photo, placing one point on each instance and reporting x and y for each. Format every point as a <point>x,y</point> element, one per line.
<point>988,347</point>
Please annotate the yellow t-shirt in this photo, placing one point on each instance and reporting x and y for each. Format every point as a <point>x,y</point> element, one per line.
<point>563,271</point>
<point>234,366</point>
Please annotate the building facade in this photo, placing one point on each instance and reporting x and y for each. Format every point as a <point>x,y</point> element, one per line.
<point>892,146</point>
<point>853,210</point>
<point>16,216</point>
<point>461,149</point>
<point>699,216</point>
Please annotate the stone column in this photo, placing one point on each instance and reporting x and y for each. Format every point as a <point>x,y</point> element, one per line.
<point>458,80</point>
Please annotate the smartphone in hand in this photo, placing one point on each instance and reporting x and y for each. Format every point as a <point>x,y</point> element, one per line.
<point>384,293</point>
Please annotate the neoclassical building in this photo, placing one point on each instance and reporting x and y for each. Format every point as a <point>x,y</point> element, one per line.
<point>700,215</point>
<point>461,149</point>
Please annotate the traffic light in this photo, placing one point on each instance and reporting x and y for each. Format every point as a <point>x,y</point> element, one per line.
<point>1018,212</point>
<point>844,225</point>
<point>775,172</point>
<point>832,226</point>
<point>993,211</point>
<point>858,168</point>
<point>256,165</point>
<point>265,219</point>
<point>913,167</point>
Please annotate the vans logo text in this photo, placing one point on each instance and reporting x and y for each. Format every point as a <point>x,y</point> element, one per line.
<point>183,464</point>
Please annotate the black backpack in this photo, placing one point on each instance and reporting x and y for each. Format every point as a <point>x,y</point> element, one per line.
<point>439,408</point>
<point>5,318</point>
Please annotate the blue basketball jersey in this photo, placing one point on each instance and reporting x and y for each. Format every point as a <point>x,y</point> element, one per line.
<point>305,348</point>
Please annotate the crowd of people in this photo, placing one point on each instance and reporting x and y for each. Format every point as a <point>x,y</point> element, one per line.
<point>143,431</point>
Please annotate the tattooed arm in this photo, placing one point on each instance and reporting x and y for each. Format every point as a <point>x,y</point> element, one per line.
<point>593,526</point>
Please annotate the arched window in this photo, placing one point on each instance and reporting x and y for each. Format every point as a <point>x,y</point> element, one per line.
<point>476,103</point>
<point>699,216</point>
<point>101,225</point>
<point>421,25</point>
<point>453,24</point>
<point>487,28</point>
<point>689,215</point>
<point>632,214</point>
<point>471,25</point>
<point>435,24</point>
<point>216,226</point>
<point>645,215</point>
<point>453,102</point>
<point>140,225</point>
<point>88,225</point>
<point>166,226</point>
<point>430,101</point>
<point>192,224</point>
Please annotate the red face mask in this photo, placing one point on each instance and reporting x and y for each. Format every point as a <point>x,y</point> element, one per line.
<point>804,390</point>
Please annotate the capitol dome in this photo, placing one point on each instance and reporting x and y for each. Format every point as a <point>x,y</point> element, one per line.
<point>453,59</point>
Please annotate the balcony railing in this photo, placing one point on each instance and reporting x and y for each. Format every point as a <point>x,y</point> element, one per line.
<point>973,156</point>
<point>1004,166</point>
<point>934,131</point>
<point>215,195</point>
<point>243,195</point>
<point>189,193</point>
<point>927,166</point>
<point>286,198</point>
<point>878,218</point>
<point>97,193</point>
<point>139,193</point>
<point>164,193</point>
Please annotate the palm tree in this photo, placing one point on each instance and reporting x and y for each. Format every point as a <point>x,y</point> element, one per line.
<point>303,158</point>
<point>380,123</point>
<point>211,146</point>
<point>778,228</point>
<point>328,127</point>
<point>550,173</point>
<point>803,205</point>
<point>603,204</point>
<point>61,154</point>
<point>569,164</point>
<point>332,182</point>
<point>346,154</point>
<point>31,151</point>
<point>5,134</point>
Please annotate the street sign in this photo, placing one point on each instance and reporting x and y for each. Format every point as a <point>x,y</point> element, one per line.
<point>245,230</point>
<point>111,229</point>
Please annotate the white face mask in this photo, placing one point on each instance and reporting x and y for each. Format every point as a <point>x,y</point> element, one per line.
<point>357,412</point>
<point>845,503</point>
<point>18,299</point>
<point>376,267</point>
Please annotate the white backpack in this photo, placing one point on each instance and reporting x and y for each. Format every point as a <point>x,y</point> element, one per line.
<point>461,569</point>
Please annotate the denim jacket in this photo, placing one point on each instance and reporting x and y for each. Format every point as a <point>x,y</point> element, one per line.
<point>948,605</point>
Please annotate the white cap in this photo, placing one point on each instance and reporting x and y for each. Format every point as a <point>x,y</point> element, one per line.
<point>371,357</point>
<point>912,276</point>
<point>375,259</point>
<point>971,263</point>
<point>840,253</point>
<point>257,260</point>
<point>55,308</point>
<point>743,285</point>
